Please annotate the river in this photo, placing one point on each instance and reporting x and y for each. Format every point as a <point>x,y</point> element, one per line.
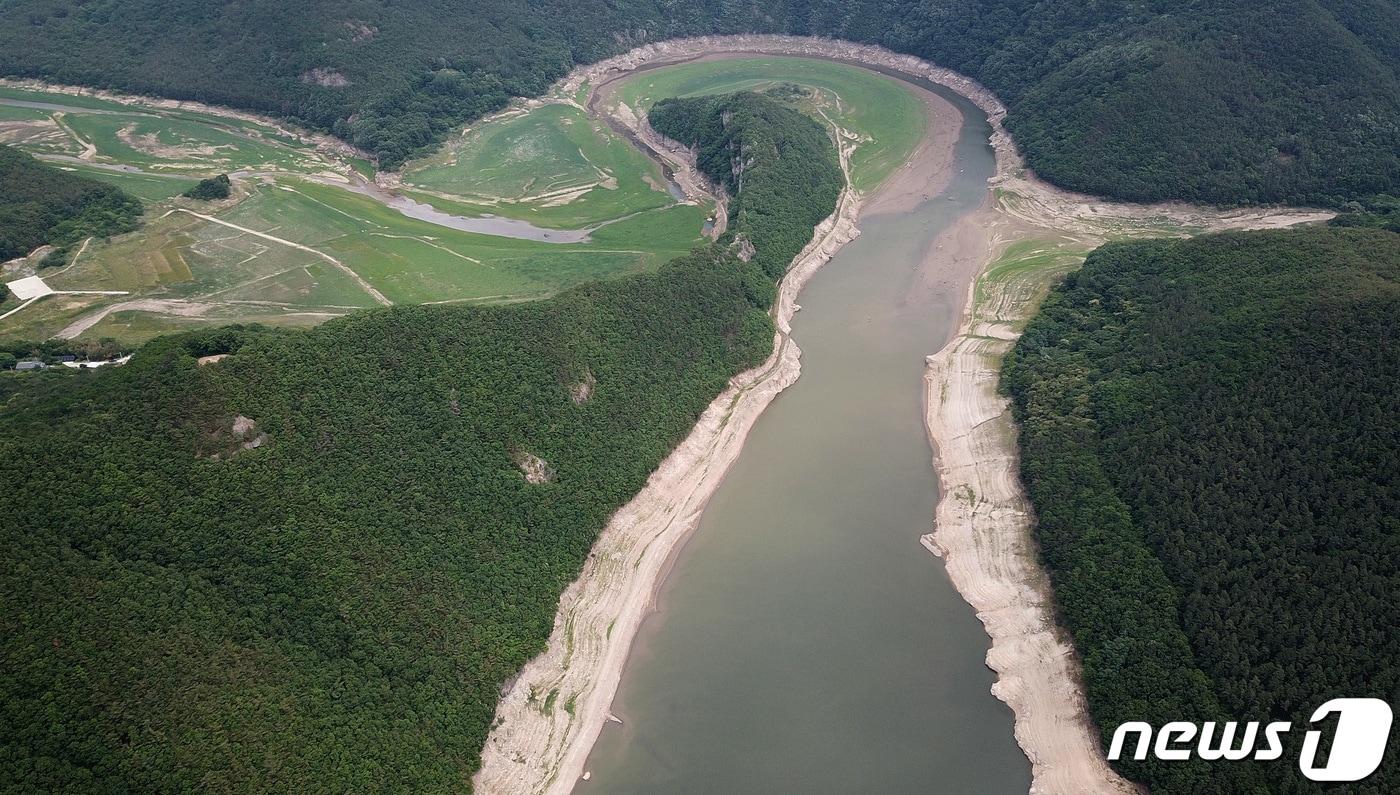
<point>804,641</point>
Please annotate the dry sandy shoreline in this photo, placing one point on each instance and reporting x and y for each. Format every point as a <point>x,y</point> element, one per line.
<point>983,533</point>
<point>983,527</point>
<point>538,745</point>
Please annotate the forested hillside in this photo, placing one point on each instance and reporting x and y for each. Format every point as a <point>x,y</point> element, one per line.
<point>41,204</point>
<point>312,565</point>
<point>738,140</point>
<point>1225,101</point>
<point>1211,440</point>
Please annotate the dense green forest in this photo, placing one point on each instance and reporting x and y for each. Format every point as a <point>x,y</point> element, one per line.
<point>1226,101</point>
<point>1211,441</point>
<point>312,565</point>
<point>774,206</point>
<point>41,204</point>
<point>210,189</point>
<point>1381,212</point>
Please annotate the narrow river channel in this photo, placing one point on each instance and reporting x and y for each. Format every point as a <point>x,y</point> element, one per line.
<point>805,642</point>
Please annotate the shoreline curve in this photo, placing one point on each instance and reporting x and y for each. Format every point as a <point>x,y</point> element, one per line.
<point>535,748</point>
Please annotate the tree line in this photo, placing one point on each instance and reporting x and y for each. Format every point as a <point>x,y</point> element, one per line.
<point>1210,436</point>
<point>1227,102</point>
<point>41,204</point>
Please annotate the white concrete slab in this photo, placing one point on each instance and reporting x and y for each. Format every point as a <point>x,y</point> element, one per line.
<point>29,287</point>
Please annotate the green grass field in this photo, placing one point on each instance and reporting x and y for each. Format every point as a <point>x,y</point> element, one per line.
<point>238,277</point>
<point>162,143</point>
<point>882,110</point>
<point>18,113</point>
<point>553,166</point>
<point>150,139</point>
<point>148,187</point>
<point>1023,275</point>
<point>416,261</point>
<point>226,275</point>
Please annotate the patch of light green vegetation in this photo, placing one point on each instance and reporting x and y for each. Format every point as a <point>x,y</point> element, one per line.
<point>148,187</point>
<point>134,328</point>
<point>149,138</point>
<point>234,277</point>
<point>581,94</point>
<point>553,166</point>
<point>175,144</point>
<point>885,112</point>
<point>1024,273</point>
<point>81,101</point>
<point>416,261</point>
<point>18,113</point>
<point>215,274</point>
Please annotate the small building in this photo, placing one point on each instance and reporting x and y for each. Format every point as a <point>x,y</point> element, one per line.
<point>68,357</point>
<point>30,365</point>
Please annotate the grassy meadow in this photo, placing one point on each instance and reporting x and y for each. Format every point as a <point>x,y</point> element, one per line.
<point>239,277</point>
<point>147,138</point>
<point>203,272</point>
<point>553,166</point>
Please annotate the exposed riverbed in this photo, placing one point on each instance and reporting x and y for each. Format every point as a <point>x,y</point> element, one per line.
<point>804,641</point>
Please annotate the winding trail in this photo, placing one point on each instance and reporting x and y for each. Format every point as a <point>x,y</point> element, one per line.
<point>168,306</point>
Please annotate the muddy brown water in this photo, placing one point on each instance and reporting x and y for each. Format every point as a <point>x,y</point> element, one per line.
<point>804,641</point>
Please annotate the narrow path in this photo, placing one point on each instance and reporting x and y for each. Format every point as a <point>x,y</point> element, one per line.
<point>21,306</point>
<point>168,306</point>
<point>89,152</point>
<point>74,261</point>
